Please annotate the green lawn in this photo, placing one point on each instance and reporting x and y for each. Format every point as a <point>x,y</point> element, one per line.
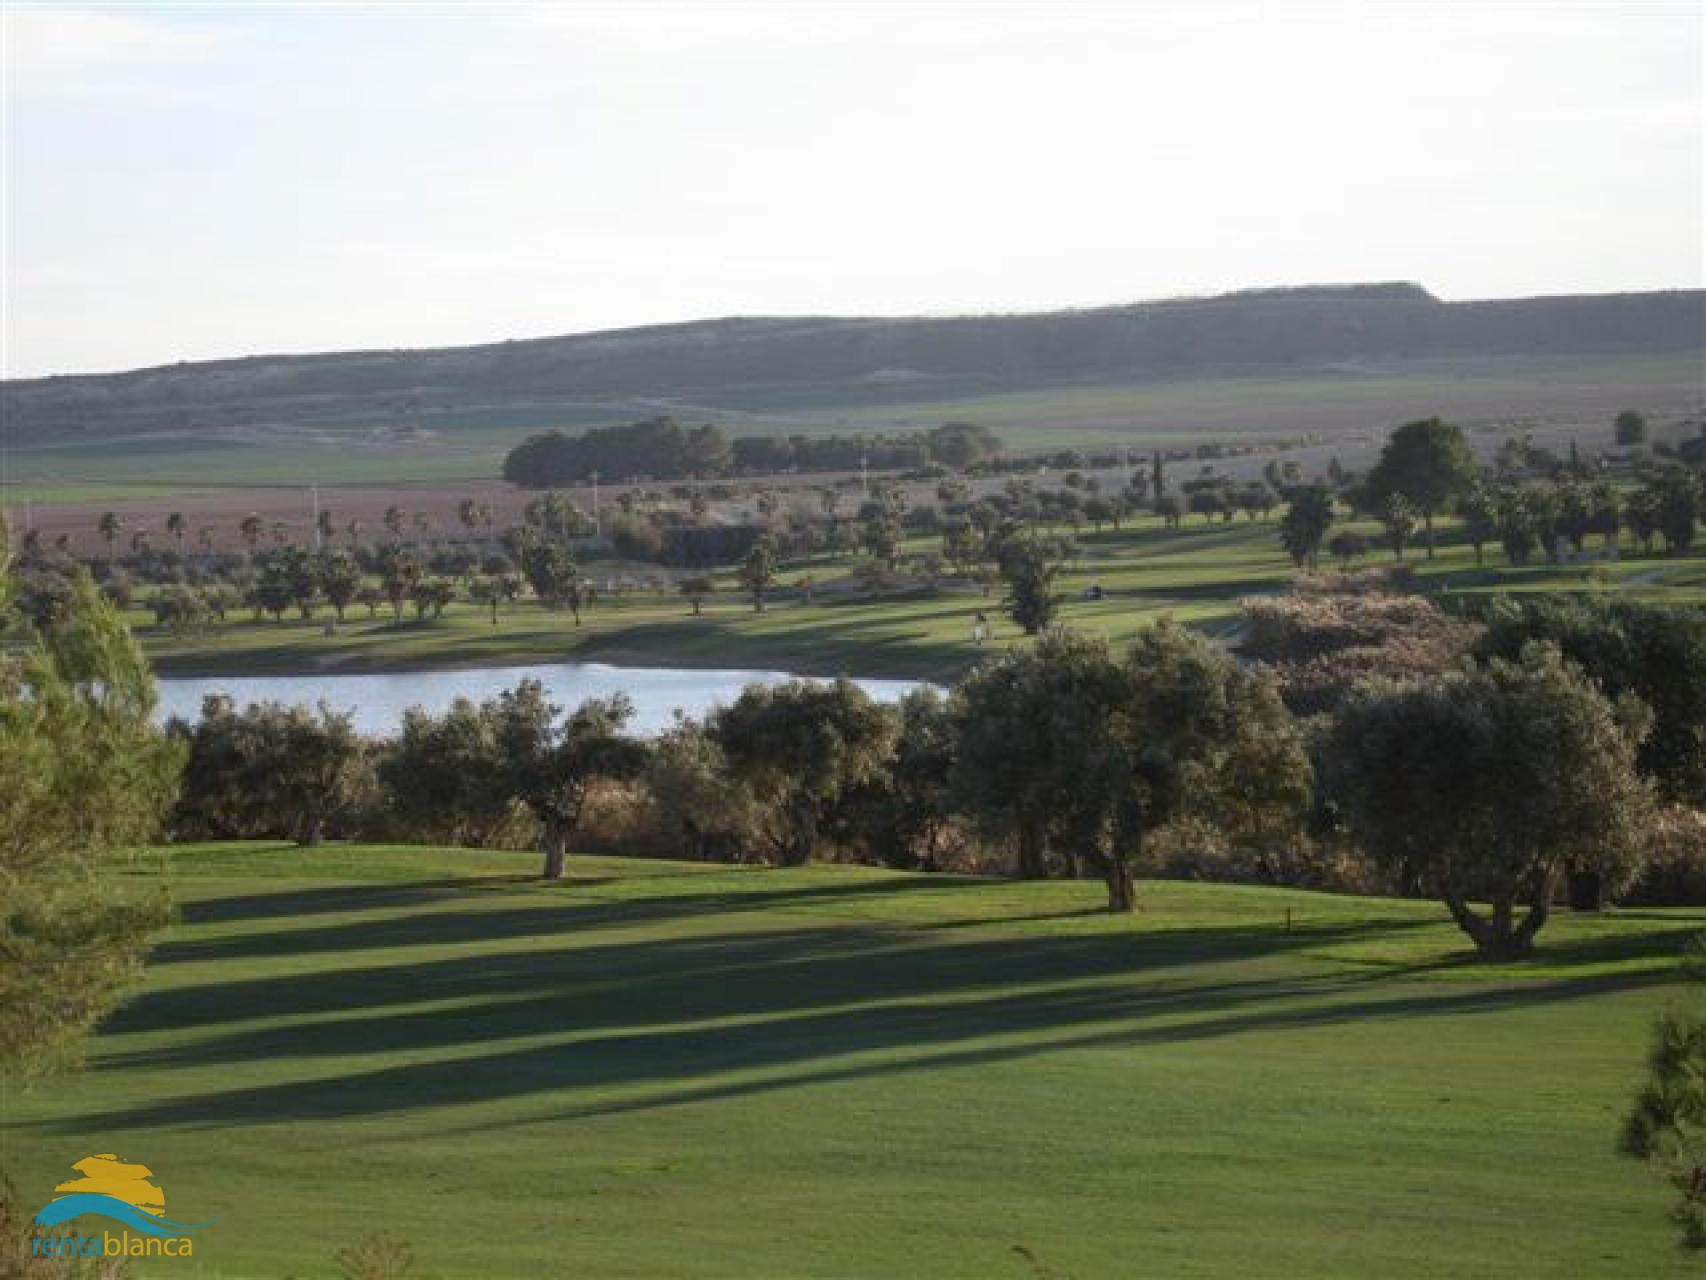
<point>665,1069</point>
<point>1196,575</point>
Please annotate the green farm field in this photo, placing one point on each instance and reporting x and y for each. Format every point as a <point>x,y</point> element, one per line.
<point>1195,575</point>
<point>463,447</point>
<point>681,1070</point>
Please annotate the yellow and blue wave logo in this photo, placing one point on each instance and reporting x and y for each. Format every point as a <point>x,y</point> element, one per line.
<point>124,1193</point>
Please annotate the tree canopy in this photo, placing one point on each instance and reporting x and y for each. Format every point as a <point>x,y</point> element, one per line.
<point>1082,754</point>
<point>800,748</point>
<point>87,780</point>
<point>1655,652</point>
<point>1430,464</point>
<point>1487,784</point>
<point>662,449</point>
<point>1667,1123</point>
<point>268,769</point>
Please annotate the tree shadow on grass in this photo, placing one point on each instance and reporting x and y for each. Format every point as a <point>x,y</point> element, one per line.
<point>583,986</point>
<point>646,1022</point>
<point>792,1043</point>
<point>557,909</point>
<point>634,1020</point>
<point>1572,953</point>
<point>367,896</point>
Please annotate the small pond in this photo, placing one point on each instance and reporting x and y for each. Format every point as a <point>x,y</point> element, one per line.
<point>378,701</point>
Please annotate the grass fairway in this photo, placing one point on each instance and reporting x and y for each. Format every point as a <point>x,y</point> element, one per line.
<point>1195,575</point>
<point>677,1070</point>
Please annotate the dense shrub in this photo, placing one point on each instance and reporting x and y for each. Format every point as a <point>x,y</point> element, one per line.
<point>272,770</point>
<point>1656,653</point>
<point>1319,645</point>
<point>1675,870</point>
<point>1193,848</point>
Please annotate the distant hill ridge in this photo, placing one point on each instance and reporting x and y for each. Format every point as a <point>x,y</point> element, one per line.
<point>752,361</point>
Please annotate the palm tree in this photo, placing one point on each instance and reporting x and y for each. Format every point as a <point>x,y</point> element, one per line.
<point>177,526</point>
<point>109,526</point>
<point>250,527</point>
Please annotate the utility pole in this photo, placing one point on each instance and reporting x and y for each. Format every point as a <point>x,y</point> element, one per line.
<point>597,524</point>
<point>864,475</point>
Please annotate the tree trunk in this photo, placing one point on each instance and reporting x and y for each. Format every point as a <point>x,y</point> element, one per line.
<point>1428,524</point>
<point>1539,910</point>
<point>1122,889</point>
<point>556,846</point>
<point>1495,940</point>
<point>1031,864</point>
<point>313,831</point>
<point>1587,891</point>
<point>801,837</point>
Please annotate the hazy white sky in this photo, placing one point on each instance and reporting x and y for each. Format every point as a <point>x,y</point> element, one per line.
<point>191,181</point>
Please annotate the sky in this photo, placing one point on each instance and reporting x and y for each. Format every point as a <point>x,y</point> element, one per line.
<point>193,181</point>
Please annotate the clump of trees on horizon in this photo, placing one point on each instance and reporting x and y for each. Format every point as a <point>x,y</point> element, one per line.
<point>662,449</point>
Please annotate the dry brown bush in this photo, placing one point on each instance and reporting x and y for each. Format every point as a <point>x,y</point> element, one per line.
<point>1391,579</point>
<point>1194,849</point>
<point>1318,645</point>
<point>1675,871</point>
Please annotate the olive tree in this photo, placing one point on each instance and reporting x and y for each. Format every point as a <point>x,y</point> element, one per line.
<point>757,572</point>
<point>1031,600</point>
<point>800,748</point>
<point>468,774</point>
<point>445,775</point>
<point>1304,525</point>
<point>1655,652</point>
<point>905,815</point>
<point>1486,784</point>
<point>340,579</point>
<point>1630,428</point>
<point>701,811</point>
<point>1082,753</point>
<point>550,766</point>
<point>269,770</point>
